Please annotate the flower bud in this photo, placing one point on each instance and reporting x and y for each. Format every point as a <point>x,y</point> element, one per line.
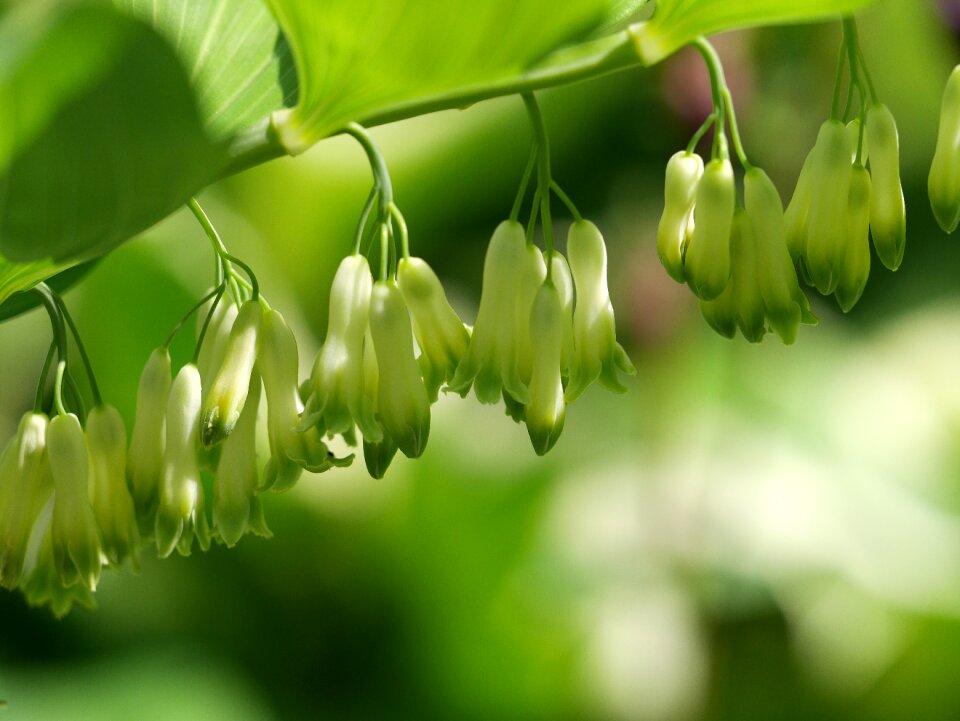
<point>76,541</point>
<point>856,261</point>
<point>337,402</point>
<point>181,514</point>
<point>236,480</point>
<point>402,403</point>
<point>707,258</point>
<point>785,304</point>
<point>222,407</point>
<point>888,222</point>
<point>497,356</point>
<point>684,171</point>
<point>597,353</point>
<point>546,411</point>
<point>943,185</point>
<point>827,218</point>
<point>441,335</point>
<point>25,486</point>
<point>111,500</point>
<point>145,461</point>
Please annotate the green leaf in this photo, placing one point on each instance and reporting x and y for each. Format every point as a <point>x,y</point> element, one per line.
<point>237,59</point>
<point>99,137</point>
<point>359,58</point>
<point>676,23</point>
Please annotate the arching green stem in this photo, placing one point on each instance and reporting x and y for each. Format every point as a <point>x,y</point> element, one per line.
<point>38,405</point>
<point>81,349</point>
<point>218,296</point>
<point>378,166</point>
<point>565,199</point>
<point>543,173</point>
<point>221,249</point>
<point>524,184</point>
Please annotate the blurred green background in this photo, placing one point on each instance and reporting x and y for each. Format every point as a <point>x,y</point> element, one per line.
<point>752,532</point>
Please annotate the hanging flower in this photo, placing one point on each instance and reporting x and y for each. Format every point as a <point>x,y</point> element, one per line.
<point>109,496</point>
<point>76,540</point>
<point>221,409</point>
<point>597,353</point>
<point>441,335</point>
<point>546,412</point>
<point>145,461</point>
<point>336,401</point>
<point>25,486</point>
<point>291,451</point>
<point>402,403</point>
<point>181,514</point>
<point>498,356</point>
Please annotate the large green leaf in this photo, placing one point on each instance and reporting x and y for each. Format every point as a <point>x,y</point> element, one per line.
<point>357,58</point>
<point>99,137</point>
<point>238,60</point>
<point>675,23</point>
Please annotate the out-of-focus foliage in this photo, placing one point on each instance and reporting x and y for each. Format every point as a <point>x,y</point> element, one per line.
<point>750,533</point>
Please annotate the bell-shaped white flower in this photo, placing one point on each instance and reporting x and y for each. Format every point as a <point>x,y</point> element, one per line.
<point>498,356</point>
<point>76,540</point>
<point>291,450</point>
<point>181,514</point>
<point>402,403</point>
<point>441,335</point>
<point>222,407</point>
<point>145,460</point>
<point>377,457</point>
<point>111,500</point>
<point>597,353</point>
<point>25,486</point>
<point>41,584</point>
<point>546,411</point>
<point>336,401</point>
<point>236,504</point>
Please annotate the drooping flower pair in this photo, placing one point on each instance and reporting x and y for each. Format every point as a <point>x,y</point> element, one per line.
<point>540,341</point>
<point>366,374</point>
<point>838,205</point>
<point>734,258</point>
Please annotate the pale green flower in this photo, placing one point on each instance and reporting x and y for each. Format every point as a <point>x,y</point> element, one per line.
<point>25,486</point>
<point>378,456</point>
<point>336,401</point>
<point>498,356</point>
<point>236,503</point>
<point>111,500</point>
<point>441,335</point>
<point>291,450</point>
<point>221,409</point>
<point>706,256</point>
<point>546,411</point>
<point>76,539</point>
<point>596,351</point>
<point>181,514</point>
<point>403,407</point>
<point>145,460</point>
<point>683,174</point>
<point>41,585</point>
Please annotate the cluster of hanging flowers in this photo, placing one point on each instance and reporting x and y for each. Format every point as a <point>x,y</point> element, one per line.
<point>742,259</point>
<point>75,497</point>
